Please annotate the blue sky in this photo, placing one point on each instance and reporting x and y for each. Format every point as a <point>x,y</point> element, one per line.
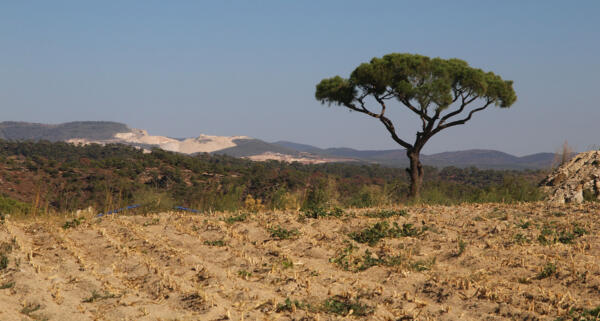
<point>182,68</point>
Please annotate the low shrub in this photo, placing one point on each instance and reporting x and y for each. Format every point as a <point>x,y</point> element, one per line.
<point>372,235</point>
<point>236,218</point>
<point>547,271</point>
<point>73,223</point>
<point>386,213</point>
<point>342,306</point>
<point>282,233</point>
<point>215,243</point>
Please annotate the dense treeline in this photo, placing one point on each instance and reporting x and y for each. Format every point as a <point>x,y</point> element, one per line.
<point>48,176</point>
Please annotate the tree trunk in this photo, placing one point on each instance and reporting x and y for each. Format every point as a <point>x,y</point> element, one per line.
<point>415,172</point>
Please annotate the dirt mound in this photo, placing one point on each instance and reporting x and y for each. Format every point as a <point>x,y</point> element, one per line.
<point>575,181</point>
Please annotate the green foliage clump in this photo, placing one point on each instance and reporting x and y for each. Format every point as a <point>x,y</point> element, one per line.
<point>589,195</point>
<point>290,306</point>
<point>97,296</point>
<point>372,235</point>
<point>550,234</point>
<point>282,233</point>
<point>3,261</point>
<point>342,306</point>
<point>462,246</point>
<point>342,259</point>
<point>547,271</point>
<point>287,264</point>
<point>153,221</point>
<point>521,239</point>
<point>524,225</point>
<point>423,265</point>
<point>11,206</point>
<point>244,274</point>
<point>73,223</point>
<point>316,197</point>
<point>319,212</point>
<point>236,218</point>
<point>386,213</point>
<point>369,261</point>
<point>153,201</point>
<point>30,308</point>
<point>5,248</point>
<point>582,315</point>
<point>358,264</point>
<point>215,243</point>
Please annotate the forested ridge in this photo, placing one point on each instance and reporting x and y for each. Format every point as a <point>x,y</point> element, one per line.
<point>55,176</point>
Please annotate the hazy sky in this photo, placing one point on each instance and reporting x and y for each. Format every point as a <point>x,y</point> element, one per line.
<point>182,68</point>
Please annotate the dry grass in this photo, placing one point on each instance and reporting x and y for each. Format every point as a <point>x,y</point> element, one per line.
<point>470,262</point>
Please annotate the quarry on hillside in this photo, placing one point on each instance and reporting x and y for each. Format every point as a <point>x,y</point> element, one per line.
<point>140,137</point>
<point>576,181</point>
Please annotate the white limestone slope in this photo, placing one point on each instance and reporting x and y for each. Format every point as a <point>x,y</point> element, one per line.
<point>200,144</point>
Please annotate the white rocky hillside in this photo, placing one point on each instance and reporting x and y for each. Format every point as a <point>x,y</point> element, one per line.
<point>576,180</point>
<point>200,144</point>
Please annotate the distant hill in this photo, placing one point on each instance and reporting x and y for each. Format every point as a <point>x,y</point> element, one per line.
<point>104,132</point>
<point>481,158</point>
<point>251,147</point>
<point>489,159</point>
<point>92,130</point>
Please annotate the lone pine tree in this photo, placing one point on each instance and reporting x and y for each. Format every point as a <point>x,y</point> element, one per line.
<point>442,92</point>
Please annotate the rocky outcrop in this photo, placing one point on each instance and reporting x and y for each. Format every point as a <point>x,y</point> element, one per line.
<point>576,180</point>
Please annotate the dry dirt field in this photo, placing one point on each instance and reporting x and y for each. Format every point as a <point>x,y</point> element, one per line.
<point>470,262</point>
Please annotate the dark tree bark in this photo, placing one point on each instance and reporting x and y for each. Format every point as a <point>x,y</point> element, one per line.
<point>415,171</point>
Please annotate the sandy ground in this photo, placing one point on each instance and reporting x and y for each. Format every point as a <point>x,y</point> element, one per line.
<point>472,262</point>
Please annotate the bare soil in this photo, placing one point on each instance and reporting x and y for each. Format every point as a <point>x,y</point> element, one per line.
<point>469,262</point>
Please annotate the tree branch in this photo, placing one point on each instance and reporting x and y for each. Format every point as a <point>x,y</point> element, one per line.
<point>464,103</point>
<point>461,121</point>
<point>414,109</point>
<point>390,127</point>
<point>382,103</point>
<point>362,109</point>
<point>386,121</point>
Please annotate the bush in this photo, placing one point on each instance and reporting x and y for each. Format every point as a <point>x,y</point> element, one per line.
<point>236,218</point>
<point>11,206</point>
<point>73,223</point>
<point>252,204</point>
<point>316,197</point>
<point>282,233</point>
<point>318,212</point>
<point>372,235</point>
<point>386,213</point>
<point>342,306</point>
<point>289,305</point>
<point>547,271</point>
<point>3,261</point>
<point>153,201</point>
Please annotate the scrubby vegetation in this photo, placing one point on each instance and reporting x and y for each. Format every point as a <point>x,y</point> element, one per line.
<point>44,176</point>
